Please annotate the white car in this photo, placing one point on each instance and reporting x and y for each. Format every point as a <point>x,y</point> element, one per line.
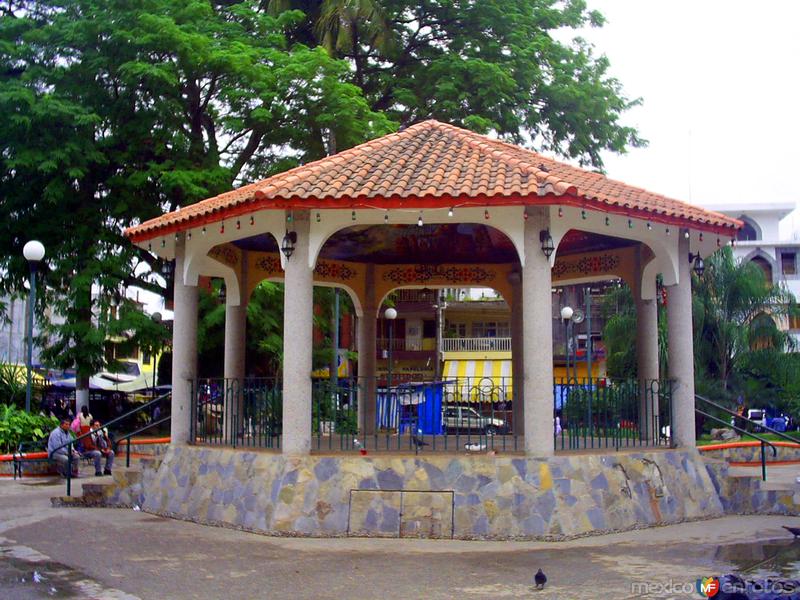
<point>466,419</point>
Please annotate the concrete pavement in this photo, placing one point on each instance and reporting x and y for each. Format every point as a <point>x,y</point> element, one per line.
<point>122,553</point>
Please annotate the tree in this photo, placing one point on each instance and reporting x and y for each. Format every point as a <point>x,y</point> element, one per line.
<point>734,309</point>
<point>493,65</point>
<point>619,334</point>
<point>113,112</point>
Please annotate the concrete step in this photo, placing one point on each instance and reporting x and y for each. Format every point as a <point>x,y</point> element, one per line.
<point>123,489</point>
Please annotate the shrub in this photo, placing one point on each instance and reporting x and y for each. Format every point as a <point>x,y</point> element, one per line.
<point>13,379</point>
<point>17,426</point>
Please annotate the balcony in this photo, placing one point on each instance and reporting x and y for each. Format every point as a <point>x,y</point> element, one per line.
<point>483,344</point>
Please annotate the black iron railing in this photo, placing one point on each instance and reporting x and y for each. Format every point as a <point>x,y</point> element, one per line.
<point>742,427</point>
<point>605,413</point>
<point>145,411</point>
<point>233,412</point>
<point>455,414</point>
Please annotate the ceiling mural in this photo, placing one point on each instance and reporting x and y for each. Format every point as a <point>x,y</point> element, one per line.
<point>447,243</point>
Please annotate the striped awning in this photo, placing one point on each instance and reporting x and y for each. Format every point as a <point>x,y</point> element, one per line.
<point>478,381</point>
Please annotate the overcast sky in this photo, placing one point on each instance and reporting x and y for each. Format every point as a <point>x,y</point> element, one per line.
<point>720,83</point>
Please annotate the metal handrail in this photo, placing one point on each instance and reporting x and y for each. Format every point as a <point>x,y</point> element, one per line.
<point>780,434</point>
<point>69,445</point>
<point>128,437</point>
<point>763,441</point>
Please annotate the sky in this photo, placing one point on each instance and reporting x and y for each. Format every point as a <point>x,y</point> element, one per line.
<point>720,82</point>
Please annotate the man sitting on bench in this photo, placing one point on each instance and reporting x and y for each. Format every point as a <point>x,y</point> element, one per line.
<point>57,450</point>
<point>98,445</point>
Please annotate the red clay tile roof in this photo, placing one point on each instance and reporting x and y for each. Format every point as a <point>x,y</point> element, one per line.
<point>434,165</point>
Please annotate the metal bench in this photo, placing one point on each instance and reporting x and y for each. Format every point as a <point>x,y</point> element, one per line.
<point>29,452</point>
<point>35,452</point>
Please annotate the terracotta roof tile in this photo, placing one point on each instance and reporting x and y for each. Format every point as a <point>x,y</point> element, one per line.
<point>434,164</point>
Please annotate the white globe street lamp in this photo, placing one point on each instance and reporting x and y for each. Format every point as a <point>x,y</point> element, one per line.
<point>390,314</point>
<point>33,251</point>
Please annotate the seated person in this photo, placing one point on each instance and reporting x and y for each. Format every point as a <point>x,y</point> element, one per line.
<point>98,445</point>
<point>58,452</point>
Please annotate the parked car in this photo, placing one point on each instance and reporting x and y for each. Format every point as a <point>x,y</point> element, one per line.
<point>757,415</point>
<point>466,419</point>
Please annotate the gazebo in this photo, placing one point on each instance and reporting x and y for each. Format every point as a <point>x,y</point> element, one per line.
<point>431,206</point>
<point>434,205</point>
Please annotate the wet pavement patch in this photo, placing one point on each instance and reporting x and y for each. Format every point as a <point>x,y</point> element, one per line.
<point>22,579</point>
<point>769,558</point>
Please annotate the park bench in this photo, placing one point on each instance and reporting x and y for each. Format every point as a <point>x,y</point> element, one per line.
<point>34,452</point>
<point>29,452</point>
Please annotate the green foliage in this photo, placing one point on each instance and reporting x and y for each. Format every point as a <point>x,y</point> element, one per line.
<point>608,406</point>
<point>619,334</point>
<point>17,426</point>
<point>13,384</point>
<point>265,328</point>
<point>113,112</point>
<point>493,65</point>
<point>739,349</point>
<point>733,310</point>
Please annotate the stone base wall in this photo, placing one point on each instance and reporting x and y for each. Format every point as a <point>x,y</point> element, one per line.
<point>468,497</point>
<point>748,495</point>
<point>149,449</point>
<point>785,452</point>
<point>29,469</point>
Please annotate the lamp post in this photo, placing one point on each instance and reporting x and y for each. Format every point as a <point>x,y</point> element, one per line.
<point>440,305</point>
<point>156,318</point>
<point>390,315</point>
<point>33,252</point>
<point>566,316</point>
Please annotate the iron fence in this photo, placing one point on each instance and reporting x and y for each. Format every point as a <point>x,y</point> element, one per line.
<point>607,413</point>
<point>233,412</point>
<point>460,414</point>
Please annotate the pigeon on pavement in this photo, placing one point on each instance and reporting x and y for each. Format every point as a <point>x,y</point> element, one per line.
<point>540,579</point>
<point>795,531</point>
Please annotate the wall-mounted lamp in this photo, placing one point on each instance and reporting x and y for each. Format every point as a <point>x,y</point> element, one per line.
<point>288,244</point>
<point>222,294</point>
<point>547,242</point>
<point>699,265</point>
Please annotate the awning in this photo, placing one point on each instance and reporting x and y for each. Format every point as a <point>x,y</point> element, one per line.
<point>478,381</point>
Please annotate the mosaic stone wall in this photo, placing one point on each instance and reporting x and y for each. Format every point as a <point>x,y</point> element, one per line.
<point>481,497</point>
<point>749,495</point>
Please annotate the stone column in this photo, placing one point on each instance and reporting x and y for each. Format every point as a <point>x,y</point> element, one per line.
<point>517,354</point>
<point>298,305</point>
<point>235,346</point>
<point>681,350</point>
<point>647,364</point>
<point>366,333</point>
<point>537,331</point>
<point>184,349</point>
<point>235,352</point>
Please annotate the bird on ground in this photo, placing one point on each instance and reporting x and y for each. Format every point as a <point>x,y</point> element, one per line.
<point>540,579</point>
<point>795,531</point>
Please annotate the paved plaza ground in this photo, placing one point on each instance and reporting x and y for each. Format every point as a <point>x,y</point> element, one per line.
<point>122,553</point>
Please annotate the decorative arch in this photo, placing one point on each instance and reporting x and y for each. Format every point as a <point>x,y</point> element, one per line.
<point>767,263</point>
<point>763,330</point>
<point>509,222</point>
<point>663,246</point>
<point>750,231</point>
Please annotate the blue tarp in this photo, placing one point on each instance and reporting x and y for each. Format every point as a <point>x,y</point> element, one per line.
<point>415,406</point>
